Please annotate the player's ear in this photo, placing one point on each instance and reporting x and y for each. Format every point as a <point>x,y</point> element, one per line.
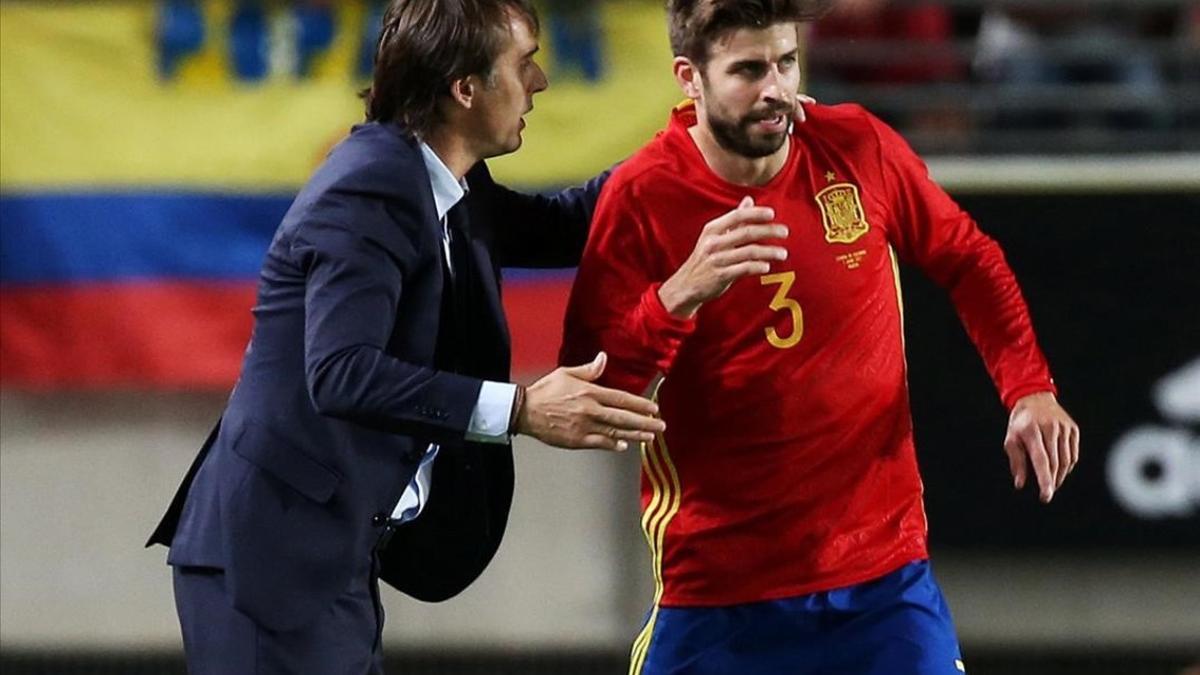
<point>687,74</point>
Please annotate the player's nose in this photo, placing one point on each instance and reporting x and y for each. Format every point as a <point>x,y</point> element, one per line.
<point>773,89</point>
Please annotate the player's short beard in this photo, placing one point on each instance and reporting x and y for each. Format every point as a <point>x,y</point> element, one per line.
<point>734,134</point>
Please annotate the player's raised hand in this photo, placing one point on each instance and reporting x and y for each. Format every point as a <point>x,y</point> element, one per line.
<point>730,247</point>
<point>1040,431</point>
<point>567,410</point>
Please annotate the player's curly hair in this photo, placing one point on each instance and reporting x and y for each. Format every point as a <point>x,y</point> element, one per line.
<point>425,45</point>
<point>694,24</point>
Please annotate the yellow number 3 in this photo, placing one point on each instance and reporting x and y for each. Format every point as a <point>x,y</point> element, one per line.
<point>780,302</point>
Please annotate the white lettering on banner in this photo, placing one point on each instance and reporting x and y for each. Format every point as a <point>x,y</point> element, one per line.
<point>1178,394</point>
<point>1154,471</point>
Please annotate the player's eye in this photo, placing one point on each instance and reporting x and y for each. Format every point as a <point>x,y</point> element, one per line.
<point>751,71</point>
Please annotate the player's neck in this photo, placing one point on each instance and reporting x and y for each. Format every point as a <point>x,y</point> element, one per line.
<point>734,168</point>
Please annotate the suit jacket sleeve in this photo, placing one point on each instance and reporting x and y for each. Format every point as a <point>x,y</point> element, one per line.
<point>354,253</point>
<point>538,230</point>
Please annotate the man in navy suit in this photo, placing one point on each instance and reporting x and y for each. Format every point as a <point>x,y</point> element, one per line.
<point>380,345</point>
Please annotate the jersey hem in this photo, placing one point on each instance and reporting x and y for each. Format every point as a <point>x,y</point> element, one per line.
<point>891,565</point>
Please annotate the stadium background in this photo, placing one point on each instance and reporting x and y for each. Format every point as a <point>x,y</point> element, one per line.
<point>148,149</point>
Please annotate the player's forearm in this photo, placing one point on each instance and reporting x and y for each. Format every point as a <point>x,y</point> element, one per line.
<point>642,341</point>
<point>679,302</point>
<point>657,331</point>
<point>628,367</point>
<point>993,311</point>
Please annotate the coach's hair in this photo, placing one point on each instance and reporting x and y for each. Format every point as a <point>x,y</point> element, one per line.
<point>694,24</point>
<point>425,45</point>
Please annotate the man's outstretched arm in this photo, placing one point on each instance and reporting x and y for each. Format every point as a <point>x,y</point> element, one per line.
<point>935,234</point>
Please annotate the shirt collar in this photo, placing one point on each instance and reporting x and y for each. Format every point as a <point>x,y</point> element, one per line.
<point>447,191</point>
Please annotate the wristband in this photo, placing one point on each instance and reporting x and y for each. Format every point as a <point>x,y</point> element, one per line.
<point>518,404</point>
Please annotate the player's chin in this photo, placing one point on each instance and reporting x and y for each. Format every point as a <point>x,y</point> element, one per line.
<point>772,140</point>
<point>766,144</point>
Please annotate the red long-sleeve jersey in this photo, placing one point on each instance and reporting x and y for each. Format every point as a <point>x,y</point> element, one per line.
<point>788,464</point>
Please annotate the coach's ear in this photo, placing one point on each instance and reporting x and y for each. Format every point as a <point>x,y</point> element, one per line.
<point>462,91</point>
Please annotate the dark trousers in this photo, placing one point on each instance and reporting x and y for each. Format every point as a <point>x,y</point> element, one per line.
<point>220,640</point>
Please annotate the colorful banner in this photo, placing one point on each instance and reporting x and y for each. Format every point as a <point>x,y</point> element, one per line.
<point>149,149</point>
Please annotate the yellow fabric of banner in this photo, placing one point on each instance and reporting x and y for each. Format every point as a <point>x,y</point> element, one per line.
<point>83,105</point>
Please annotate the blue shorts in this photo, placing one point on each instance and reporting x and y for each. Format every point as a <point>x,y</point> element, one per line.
<point>898,624</point>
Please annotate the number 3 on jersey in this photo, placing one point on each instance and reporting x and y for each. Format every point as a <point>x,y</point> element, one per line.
<point>780,302</point>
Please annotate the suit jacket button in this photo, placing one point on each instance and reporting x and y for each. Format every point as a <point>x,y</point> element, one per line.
<point>379,519</point>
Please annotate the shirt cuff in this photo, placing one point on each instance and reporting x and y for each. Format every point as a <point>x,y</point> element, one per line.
<point>489,420</point>
<point>1018,393</point>
<point>661,319</point>
<point>661,332</point>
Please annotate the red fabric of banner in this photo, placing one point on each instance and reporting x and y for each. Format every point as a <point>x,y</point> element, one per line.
<point>189,335</point>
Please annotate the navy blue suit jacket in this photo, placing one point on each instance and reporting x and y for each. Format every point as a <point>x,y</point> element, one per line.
<point>339,395</point>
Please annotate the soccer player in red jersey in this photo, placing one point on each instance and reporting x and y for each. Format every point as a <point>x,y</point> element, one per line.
<point>783,505</point>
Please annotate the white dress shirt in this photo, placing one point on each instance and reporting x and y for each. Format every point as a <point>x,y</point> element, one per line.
<point>489,420</point>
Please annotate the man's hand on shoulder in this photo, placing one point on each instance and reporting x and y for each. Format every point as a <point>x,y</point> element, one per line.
<point>801,101</point>
<point>1040,430</point>
<point>567,410</point>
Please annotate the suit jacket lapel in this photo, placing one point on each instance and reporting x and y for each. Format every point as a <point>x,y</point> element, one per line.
<point>428,207</point>
<point>483,276</point>
<point>486,281</point>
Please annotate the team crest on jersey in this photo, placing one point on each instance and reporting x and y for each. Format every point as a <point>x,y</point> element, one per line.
<point>842,212</point>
